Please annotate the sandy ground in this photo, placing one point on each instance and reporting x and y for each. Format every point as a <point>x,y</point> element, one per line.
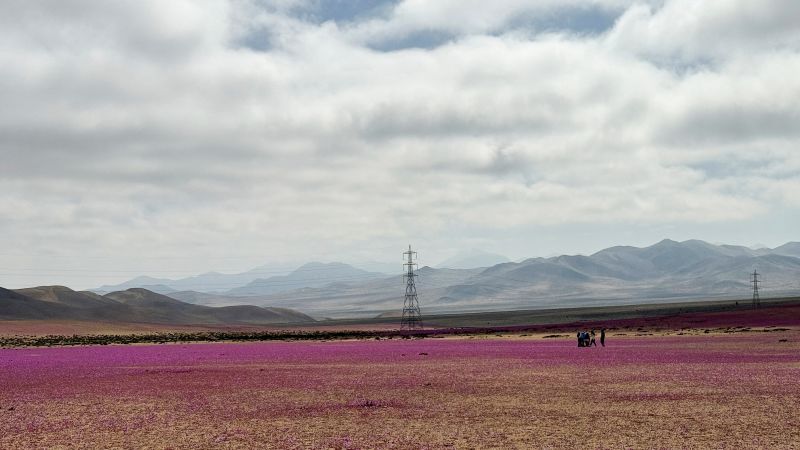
<point>704,390</point>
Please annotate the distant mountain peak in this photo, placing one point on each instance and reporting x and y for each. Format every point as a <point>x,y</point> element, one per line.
<point>140,296</point>
<point>788,249</point>
<point>665,242</point>
<point>313,274</point>
<point>56,288</point>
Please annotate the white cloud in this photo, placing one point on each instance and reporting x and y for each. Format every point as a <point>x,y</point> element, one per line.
<point>687,31</point>
<point>132,131</point>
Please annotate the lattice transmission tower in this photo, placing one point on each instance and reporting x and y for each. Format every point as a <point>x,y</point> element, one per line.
<point>412,318</point>
<point>754,280</point>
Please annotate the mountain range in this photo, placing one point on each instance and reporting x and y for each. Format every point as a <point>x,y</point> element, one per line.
<point>135,305</point>
<point>309,275</point>
<point>206,282</point>
<point>665,271</point>
<point>262,280</point>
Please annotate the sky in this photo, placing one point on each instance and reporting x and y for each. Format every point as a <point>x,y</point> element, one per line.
<point>145,137</point>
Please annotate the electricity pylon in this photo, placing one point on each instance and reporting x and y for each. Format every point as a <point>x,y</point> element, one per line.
<point>412,318</point>
<point>754,280</point>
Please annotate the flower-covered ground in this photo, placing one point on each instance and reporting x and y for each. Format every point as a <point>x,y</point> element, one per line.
<point>717,390</point>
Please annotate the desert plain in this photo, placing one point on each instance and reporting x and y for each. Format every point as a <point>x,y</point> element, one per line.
<point>700,380</point>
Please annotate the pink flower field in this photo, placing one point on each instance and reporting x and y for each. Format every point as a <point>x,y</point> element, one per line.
<point>737,390</point>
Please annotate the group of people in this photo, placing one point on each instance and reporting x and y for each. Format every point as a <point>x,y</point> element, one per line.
<point>587,339</point>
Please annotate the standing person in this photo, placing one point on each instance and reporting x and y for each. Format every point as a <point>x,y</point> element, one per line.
<point>603,337</point>
<point>592,341</point>
<point>580,341</point>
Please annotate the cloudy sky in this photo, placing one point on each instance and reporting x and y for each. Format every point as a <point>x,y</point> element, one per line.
<point>172,138</point>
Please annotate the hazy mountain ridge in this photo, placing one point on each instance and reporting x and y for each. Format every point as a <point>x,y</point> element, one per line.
<point>313,274</point>
<point>252,282</point>
<point>206,282</point>
<point>362,298</point>
<point>667,270</point>
<point>788,249</point>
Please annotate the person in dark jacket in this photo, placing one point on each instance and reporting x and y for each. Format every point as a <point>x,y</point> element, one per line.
<point>603,337</point>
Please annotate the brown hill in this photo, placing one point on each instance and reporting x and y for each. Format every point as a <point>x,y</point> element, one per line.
<point>14,305</point>
<point>131,306</point>
<point>65,296</point>
<point>166,309</point>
